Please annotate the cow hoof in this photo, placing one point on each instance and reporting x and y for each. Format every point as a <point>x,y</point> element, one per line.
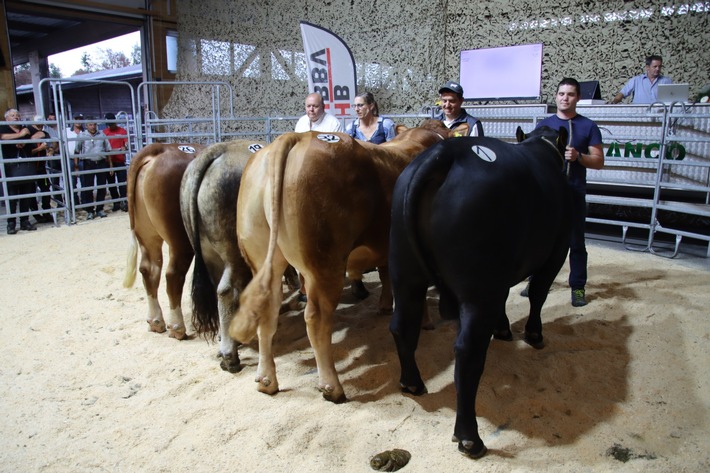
<point>332,397</point>
<point>177,333</point>
<point>428,325</point>
<point>505,335</point>
<point>231,363</point>
<point>266,386</point>
<point>359,290</point>
<point>414,390</point>
<point>534,340</point>
<point>156,326</point>
<point>472,449</point>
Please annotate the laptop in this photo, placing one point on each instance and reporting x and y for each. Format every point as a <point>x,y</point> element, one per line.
<point>669,93</point>
<point>589,90</point>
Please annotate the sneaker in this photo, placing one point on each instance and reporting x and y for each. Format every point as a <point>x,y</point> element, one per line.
<point>124,206</point>
<point>578,299</point>
<point>27,226</point>
<point>116,207</point>
<point>101,214</point>
<point>11,230</point>
<point>525,290</point>
<point>90,216</point>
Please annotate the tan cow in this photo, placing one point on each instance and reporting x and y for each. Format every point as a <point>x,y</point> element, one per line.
<point>153,182</point>
<point>321,202</point>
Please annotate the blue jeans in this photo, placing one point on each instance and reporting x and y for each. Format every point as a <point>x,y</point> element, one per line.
<point>577,248</point>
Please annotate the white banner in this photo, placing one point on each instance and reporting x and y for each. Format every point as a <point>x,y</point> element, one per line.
<point>331,69</point>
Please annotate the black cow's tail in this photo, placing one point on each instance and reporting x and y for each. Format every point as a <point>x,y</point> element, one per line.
<point>427,173</point>
<point>205,313</point>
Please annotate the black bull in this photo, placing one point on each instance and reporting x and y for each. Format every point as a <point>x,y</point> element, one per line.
<point>476,216</point>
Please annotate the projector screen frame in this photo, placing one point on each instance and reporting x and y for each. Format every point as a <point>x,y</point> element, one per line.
<point>475,90</point>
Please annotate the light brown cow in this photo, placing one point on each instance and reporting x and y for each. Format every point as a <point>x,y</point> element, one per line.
<point>154,178</point>
<point>320,202</point>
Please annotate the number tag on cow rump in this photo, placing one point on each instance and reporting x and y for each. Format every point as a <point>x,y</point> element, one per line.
<point>254,147</point>
<point>486,154</point>
<point>328,138</point>
<point>186,149</point>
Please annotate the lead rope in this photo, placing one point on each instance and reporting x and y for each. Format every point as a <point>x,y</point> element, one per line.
<point>569,143</point>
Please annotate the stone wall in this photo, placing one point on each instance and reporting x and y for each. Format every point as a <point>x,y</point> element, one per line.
<point>405,49</point>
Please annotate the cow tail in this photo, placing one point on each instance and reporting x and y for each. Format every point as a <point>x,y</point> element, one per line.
<point>428,168</point>
<point>278,155</point>
<point>130,276</point>
<point>205,312</point>
<point>137,163</point>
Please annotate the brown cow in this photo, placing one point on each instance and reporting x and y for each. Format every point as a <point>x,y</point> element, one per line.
<point>154,178</point>
<point>321,202</point>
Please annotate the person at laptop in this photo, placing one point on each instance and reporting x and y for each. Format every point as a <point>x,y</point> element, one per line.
<point>645,86</point>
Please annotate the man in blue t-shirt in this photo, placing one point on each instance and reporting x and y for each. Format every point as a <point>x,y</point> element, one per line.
<point>584,151</point>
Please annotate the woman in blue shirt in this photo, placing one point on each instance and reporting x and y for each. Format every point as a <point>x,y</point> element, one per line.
<point>369,125</point>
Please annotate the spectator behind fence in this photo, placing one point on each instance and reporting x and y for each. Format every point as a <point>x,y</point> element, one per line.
<point>52,129</point>
<point>92,149</point>
<point>18,169</point>
<point>118,140</point>
<point>73,133</point>
<point>39,150</point>
<point>369,125</point>
<point>315,118</point>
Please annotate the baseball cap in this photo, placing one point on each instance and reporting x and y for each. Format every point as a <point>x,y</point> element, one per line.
<point>78,116</point>
<point>110,116</point>
<point>451,86</point>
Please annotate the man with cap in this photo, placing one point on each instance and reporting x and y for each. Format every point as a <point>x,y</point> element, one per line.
<point>118,140</point>
<point>452,115</point>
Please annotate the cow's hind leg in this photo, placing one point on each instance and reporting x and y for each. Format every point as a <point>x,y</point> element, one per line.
<point>405,326</point>
<point>386,299</point>
<point>323,295</point>
<point>228,291</point>
<point>540,283</point>
<point>474,336</point>
<point>502,325</point>
<point>180,259</point>
<point>266,371</point>
<point>151,266</point>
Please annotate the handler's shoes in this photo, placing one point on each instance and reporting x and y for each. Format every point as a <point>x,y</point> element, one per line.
<point>578,299</point>
<point>11,230</point>
<point>27,226</point>
<point>90,216</point>
<point>101,214</point>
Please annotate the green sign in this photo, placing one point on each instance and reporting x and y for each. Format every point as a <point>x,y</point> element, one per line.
<point>674,151</point>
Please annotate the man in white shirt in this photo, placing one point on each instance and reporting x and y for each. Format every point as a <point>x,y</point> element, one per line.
<point>315,118</point>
